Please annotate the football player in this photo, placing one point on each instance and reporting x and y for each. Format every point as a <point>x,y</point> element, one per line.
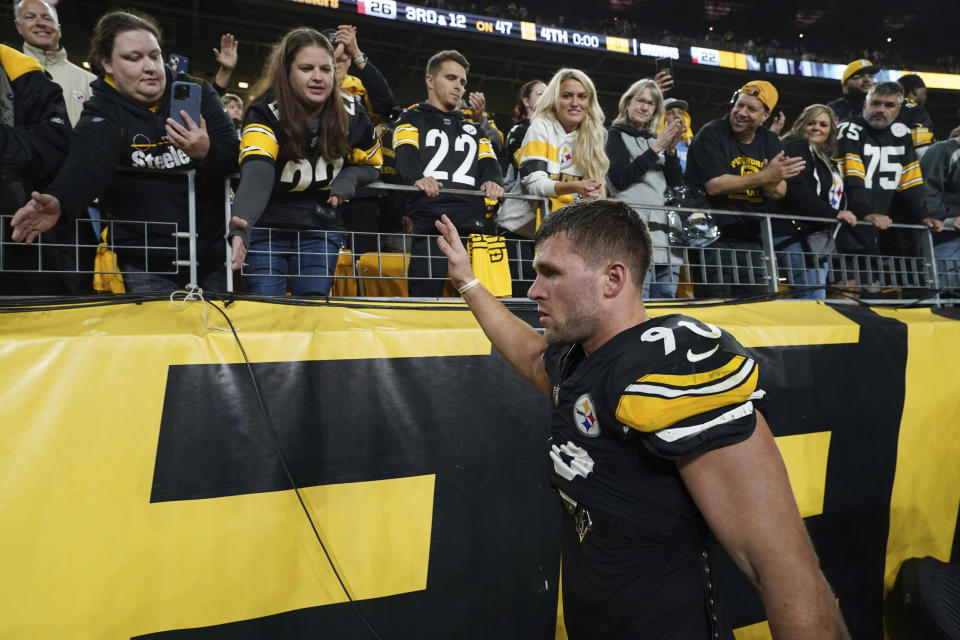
<point>656,447</point>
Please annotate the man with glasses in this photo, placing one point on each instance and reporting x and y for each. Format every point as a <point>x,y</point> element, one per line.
<point>37,23</point>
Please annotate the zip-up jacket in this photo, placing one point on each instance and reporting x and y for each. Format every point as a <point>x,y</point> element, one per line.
<point>116,132</point>
<point>34,146</point>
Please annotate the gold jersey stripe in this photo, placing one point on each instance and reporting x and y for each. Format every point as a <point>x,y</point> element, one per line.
<point>853,165</point>
<point>650,413</point>
<point>260,138</point>
<point>254,151</point>
<point>910,177</point>
<point>406,134</point>
<point>486,149</point>
<point>693,380</point>
<point>539,150</point>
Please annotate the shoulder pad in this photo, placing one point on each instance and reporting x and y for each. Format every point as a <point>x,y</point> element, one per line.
<point>690,368</point>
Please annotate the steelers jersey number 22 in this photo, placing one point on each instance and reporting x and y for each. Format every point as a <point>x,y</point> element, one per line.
<point>459,161</point>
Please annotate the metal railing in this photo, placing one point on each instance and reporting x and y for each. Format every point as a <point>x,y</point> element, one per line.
<point>756,269</point>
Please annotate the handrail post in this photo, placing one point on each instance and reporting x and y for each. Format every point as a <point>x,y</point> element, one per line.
<point>930,262</point>
<point>192,212</point>
<point>766,238</point>
<point>227,211</point>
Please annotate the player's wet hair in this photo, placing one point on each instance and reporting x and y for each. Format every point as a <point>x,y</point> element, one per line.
<point>888,88</point>
<point>436,61</point>
<point>602,231</point>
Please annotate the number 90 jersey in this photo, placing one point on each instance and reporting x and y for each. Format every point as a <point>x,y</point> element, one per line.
<point>668,389</point>
<point>445,146</point>
<point>300,184</point>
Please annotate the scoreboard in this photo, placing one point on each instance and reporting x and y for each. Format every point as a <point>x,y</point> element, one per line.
<point>559,36</point>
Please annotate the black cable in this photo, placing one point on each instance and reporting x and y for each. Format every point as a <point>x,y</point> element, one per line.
<point>283,462</point>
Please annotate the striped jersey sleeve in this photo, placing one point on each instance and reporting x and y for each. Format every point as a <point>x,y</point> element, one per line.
<point>258,140</point>
<point>910,176</point>
<point>408,134</point>
<point>260,135</point>
<point>700,397</point>
<point>485,149</point>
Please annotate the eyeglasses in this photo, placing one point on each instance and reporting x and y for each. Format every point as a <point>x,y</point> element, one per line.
<point>649,103</point>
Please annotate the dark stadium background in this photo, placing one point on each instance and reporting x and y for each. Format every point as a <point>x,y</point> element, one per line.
<point>919,34</point>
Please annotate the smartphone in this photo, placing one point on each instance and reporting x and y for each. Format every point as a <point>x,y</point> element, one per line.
<point>666,64</point>
<point>179,63</point>
<point>185,96</point>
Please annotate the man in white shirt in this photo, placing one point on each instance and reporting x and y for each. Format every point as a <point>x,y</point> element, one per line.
<point>38,24</point>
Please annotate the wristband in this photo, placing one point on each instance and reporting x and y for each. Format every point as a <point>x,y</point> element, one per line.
<point>360,59</point>
<point>470,285</point>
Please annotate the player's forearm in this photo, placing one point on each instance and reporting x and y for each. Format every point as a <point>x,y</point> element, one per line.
<point>519,343</point>
<point>803,607</point>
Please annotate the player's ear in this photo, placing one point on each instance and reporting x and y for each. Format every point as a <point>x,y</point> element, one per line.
<point>617,277</point>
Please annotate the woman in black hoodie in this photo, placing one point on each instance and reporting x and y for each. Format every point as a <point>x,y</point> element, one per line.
<point>127,125</point>
<point>817,191</point>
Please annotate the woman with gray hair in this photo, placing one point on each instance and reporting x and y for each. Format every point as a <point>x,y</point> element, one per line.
<point>642,166</point>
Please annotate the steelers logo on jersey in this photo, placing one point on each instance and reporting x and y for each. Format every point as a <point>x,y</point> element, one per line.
<point>470,129</point>
<point>565,156</point>
<point>585,416</point>
<point>899,129</point>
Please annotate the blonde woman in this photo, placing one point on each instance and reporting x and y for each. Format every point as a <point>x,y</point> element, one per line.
<point>562,154</point>
<point>816,191</point>
<point>642,165</point>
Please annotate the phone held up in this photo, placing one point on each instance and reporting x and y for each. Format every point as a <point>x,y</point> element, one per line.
<point>185,96</point>
<point>666,64</point>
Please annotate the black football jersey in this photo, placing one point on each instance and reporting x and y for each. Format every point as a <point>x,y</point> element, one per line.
<point>670,388</point>
<point>445,146</point>
<point>301,183</point>
<point>878,165</point>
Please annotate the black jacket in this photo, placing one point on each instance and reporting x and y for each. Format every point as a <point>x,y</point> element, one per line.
<point>115,132</point>
<point>808,193</point>
<point>32,149</point>
<point>846,107</point>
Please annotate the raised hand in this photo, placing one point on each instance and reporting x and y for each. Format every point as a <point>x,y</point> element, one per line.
<point>226,55</point>
<point>458,262</point>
